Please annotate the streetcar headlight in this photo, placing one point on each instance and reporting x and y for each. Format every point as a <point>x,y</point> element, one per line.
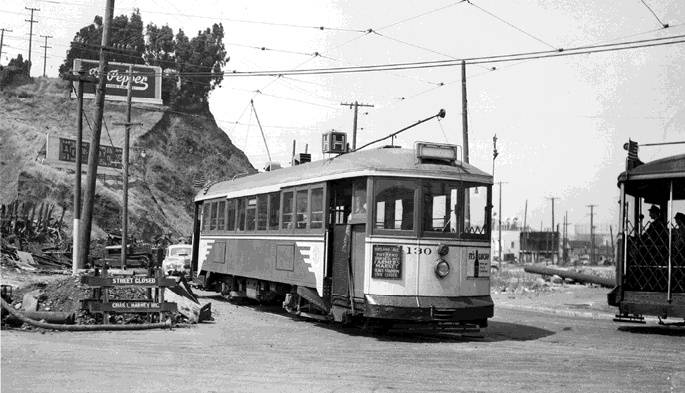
<point>442,269</point>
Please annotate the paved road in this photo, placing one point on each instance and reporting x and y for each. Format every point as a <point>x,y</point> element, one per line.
<point>261,349</point>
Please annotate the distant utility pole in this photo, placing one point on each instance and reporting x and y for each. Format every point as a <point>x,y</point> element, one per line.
<point>356,106</point>
<point>553,199</point>
<point>592,233</point>
<point>45,52</point>
<point>93,152</point>
<point>565,241</point>
<point>2,38</point>
<point>499,240</point>
<point>31,21</point>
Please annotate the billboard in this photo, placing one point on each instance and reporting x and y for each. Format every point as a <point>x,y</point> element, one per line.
<point>146,83</point>
<point>60,153</point>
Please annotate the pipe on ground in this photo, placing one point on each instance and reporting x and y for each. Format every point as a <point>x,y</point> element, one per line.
<point>81,328</point>
<point>579,277</point>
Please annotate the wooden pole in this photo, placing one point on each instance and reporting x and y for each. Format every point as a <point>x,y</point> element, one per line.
<point>89,194</point>
<point>124,208</point>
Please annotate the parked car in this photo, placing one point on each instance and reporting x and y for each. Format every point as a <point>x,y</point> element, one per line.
<point>177,259</point>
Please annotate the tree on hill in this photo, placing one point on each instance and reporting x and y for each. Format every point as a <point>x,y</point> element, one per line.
<point>192,67</point>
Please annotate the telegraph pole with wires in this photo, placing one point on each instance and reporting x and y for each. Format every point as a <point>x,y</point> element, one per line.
<point>124,167</point>
<point>31,21</point>
<point>45,52</point>
<point>81,78</point>
<point>592,233</point>
<point>553,198</point>
<point>2,38</point>
<point>356,106</point>
<point>93,151</point>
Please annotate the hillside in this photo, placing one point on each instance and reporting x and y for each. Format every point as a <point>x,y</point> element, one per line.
<point>168,151</point>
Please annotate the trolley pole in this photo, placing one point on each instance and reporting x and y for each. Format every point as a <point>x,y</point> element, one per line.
<point>93,153</point>
<point>45,52</point>
<point>592,233</point>
<point>464,114</point>
<point>124,168</point>
<point>31,21</point>
<point>356,106</point>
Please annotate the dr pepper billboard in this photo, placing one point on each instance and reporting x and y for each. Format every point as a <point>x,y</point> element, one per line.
<point>146,83</point>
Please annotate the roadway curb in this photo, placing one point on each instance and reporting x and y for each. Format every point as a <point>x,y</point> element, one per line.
<point>600,315</point>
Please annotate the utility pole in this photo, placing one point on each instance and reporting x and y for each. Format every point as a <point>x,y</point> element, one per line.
<point>499,240</point>
<point>2,38</point>
<point>93,153</point>
<point>356,106</point>
<point>592,233</point>
<point>124,168</point>
<point>553,198</point>
<point>31,21</point>
<point>81,78</point>
<point>565,241</point>
<point>464,114</point>
<point>45,52</point>
<point>495,153</point>
<point>525,217</point>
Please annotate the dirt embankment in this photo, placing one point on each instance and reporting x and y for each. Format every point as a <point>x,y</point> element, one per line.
<point>168,152</point>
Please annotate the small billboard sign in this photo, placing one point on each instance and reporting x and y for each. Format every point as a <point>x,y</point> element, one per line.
<point>146,83</point>
<point>60,153</point>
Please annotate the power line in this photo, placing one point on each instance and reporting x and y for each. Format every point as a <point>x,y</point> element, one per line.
<point>422,14</point>
<point>511,25</point>
<point>670,40</point>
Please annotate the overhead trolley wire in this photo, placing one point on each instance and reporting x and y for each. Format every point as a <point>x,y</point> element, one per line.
<point>511,25</point>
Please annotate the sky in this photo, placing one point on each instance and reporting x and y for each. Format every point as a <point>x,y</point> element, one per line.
<point>560,122</point>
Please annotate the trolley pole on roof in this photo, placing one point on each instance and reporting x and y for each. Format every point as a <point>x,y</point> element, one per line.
<point>268,154</point>
<point>356,106</point>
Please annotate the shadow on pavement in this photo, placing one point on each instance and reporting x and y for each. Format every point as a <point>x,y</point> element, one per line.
<point>677,331</point>
<point>495,332</point>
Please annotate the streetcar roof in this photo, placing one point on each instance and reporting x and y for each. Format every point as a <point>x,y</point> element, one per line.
<point>373,162</point>
<point>652,179</point>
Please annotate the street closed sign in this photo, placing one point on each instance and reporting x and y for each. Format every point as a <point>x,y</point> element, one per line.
<point>146,86</point>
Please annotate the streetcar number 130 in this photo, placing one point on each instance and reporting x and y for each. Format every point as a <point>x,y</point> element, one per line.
<point>418,250</point>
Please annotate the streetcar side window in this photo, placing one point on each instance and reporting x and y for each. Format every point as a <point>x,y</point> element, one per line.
<point>205,216</point>
<point>250,214</point>
<point>212,220</point>
<point>262,212</point>
<point>301,200</point>
<point>241,214</point>
<point>287,210</point>
<point>230,220</point>
<point>221,216</point>
<point>274,210</point>
<point>317,209</point>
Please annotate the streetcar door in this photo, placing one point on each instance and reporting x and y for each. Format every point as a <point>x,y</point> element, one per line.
<point>347,234</point>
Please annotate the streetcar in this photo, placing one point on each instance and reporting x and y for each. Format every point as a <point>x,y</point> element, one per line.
<point>386,235</point>
<point>650,268</point>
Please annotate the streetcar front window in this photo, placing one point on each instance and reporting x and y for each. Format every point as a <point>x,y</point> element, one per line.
<point>458,210</point>
<point>394,202</point>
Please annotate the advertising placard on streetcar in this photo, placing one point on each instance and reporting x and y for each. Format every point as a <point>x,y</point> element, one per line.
<point>477,263</point>
<point>387,262</point>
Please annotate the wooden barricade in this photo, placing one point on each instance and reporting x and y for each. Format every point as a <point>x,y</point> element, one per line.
<point>155,283</point>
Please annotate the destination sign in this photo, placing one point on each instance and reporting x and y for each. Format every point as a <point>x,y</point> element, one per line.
<point>128,281</point>
<point>132,306</point>
<point>387,262</point>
